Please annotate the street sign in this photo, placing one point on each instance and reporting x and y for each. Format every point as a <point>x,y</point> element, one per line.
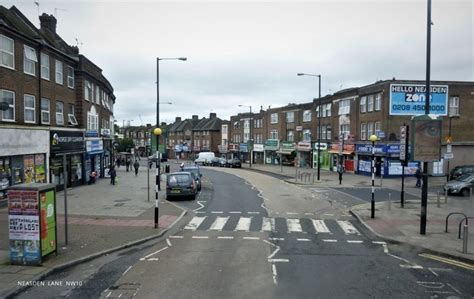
<point>380,134</point>
<point>448,156</point>
<point>403,143</point>
<point>449,148</point>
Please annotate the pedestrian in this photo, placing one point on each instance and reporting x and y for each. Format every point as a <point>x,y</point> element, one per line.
<point>136,165</point>
<point>113,175</point>
<point>127,164</point>
<point>92,177</point>
<point>118,162</point>
<point>340,171</point>
<point>418,177</point>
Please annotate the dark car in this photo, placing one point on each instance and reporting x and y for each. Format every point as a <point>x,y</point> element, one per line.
<point>196,172</point>
<point>461,185</point>
<point>460,170</point>
<point>218,162</point>
<point>180,184</point>
<point>234,163</point>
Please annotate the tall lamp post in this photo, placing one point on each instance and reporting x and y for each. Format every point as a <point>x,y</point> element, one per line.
<point>250,134</point>
<point>319,120</point>
<point>373,138</point>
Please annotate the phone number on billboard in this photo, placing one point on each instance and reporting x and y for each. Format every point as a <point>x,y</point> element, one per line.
<point>398,107</point>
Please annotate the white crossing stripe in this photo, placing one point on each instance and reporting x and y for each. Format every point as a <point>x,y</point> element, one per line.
<point>347,227</point>
<point>219,223</point>
<point>195,222</point>
<point>243,224</point>
<point>330,240</point>
<point>320,226</point>
<point>355,241</point>
<point>268,224</point>
<point>293,225</point>
<point>225,237</point>
<point>303,240</point>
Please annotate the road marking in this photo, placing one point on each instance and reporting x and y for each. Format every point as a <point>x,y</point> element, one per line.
<point>255,213</point>
<point>293,225</point>
<point>309,214</point>
<point>279,260</point>
<point>168,242</point>
<point>268,224</point>
<point>225,237</point>
<point>320,226</point>
<point>347,227</point>
<point>217,212</point>
<point>219,223</point>
<point>355,241</point>
<point>153,259</point>
<point>128,269</point>
<point>274,271</point>
<point>274,252</point>
<point>276,239</point>
<point>200,237</point>
<point>243,224</point>
<point>251,238</point>
<point>409,264</point>
<point>379,242</point>
<point>435,270</point>
<point>153,253</point>
<point>235,212</point>
<point>330,215</point>
<point>201,205</point>
<point>303,240</point>
<point>291,213</point>
<point>330,240</point>
<point>195,222</point>
<point>108,295</point>
<point>448,261</point>
<point>175,237</point>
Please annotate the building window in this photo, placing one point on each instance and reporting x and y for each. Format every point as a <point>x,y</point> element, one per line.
<point>378,102</point>
<point>70,76</point>
<point>97,95</point>
<point>370,129</point>
<point>290,117</point>
<point>246,136</point>
<point>307,115</point>
<point>7,52</point>
<point>246,125</point>
<point>92,120</point>
<point>290,135</point>
<point>327,111</point>
<point>224,129</point>
<point>237,138</point>
<point>454,106</point>
<point>274,118</point>
<point>344,107</point>
<point>71,115</point>
<point>45,106</point>
<point>236,124</point>
<point>8,97</point>
<point>274,134</point>
<point>44,66</point>
<point>324,132</point>
<point>59,72</point>
<point>88,91</point>
<point>370,103</point>
<point>363,131</point>
<point>328,132</point>
<point>30,111</point>
<point>378,127</point>
<point>59,113</point>
<point>258,123</point>
<point>307,135</point>
<point>345,130</point>
<point>363,104</point>
<point>29,60</point>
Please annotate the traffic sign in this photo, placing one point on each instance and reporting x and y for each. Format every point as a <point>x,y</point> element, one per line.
<point>448,156</point>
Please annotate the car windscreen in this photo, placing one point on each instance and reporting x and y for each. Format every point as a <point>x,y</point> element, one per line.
<point>464,178</point>
<point>194,171</point>
<point>179,179</point>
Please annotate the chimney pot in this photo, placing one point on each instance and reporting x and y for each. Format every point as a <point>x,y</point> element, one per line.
<point>48,22</point>
<point>178,119</point>
<point>212,115</point>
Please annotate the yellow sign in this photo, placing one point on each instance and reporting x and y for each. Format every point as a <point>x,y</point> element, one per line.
<point>449,139</point>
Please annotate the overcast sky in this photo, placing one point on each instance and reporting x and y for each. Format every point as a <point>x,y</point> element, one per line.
<point>242,52</point>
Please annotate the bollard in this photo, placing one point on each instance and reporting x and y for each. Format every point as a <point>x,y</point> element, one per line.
<point>389,201</point>
<point>445,196</point>
<point>464,239</point>
<point>438,199</point>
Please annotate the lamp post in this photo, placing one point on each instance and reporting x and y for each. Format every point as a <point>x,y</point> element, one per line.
<point>319,120</point>
<point>250,134</point>
<point>157,132</point>
<point>373,138</point>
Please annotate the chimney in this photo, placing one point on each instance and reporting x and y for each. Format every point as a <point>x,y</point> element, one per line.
<point>148,125</point>
<point>212,115</point>
<point>48,22</point>
<point>178,119</point>
<point>195,117</point>
<point>75,50</point>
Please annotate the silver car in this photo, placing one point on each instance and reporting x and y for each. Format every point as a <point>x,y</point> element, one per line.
<point>461,185</point>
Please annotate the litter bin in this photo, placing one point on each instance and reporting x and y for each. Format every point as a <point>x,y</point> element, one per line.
<point>167,168</point>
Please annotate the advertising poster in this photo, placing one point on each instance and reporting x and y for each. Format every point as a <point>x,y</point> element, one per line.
<point>426,139</point>
<point>40,176</point>
<point>4,177</point>
<point>48,222</point>
<point>29,202</point>
<point>14,202</point>
<point>409,99</point>
<point>28,168</point>
<point>365,166</point>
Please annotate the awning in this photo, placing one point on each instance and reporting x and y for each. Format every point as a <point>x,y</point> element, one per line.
<point>344,152</point>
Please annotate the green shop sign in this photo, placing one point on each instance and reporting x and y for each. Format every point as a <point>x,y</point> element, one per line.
<point>272,144</point>
<point>287,147</point>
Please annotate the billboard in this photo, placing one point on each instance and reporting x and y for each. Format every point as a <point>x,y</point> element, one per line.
<point>409,99</point>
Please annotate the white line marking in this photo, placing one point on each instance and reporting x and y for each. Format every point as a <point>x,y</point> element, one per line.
<point>110,293</point>
<point>309,213</point>
<point>379,242</point>
<point>291,213</point>
<point>274,252</point>
<point>176,237</point>
<point>320,226</point>
<point>255,213</point>
<point>120,295</point>
<point>225,237</point>
<point>251,238</point>
<point>279,260</point>
<point>200,237</point>
<point>130,267</point>
<point>435,270</point>
<point>153,259</point>
<point>347,227</point>
<point>217,212</point>
<point>235,212</point>
<point>158,251</point>
<point>453,287</point>
<point>330,240</point>
<point>355,241</point>
<point>293,225</point>
<point>268,224</point>
<point>243,224</point>
<point>274,271</point>
<point>303,240</point>
<point>201,205</point>
<point>168,242</point>
<point>411,266</point>
<point>195,222</point>
<point>329,215</point>
<point>276,239</point>
<point>219,223</point>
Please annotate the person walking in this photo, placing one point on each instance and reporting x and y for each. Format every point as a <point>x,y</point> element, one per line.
<point>127,164</point>
<point>118,162</point>
<point>418,177</point>
<point>136,165</point>
<point>113,175</point>
<point>340,171</point>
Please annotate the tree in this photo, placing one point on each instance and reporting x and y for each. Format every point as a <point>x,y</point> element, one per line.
<point>125,145</point>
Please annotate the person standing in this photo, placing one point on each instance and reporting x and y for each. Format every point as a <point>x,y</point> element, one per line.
<point>113,175</point>
<point>118,162</point>
<point>136,165</point>
<point>127,164</point>
<point>340,171</point>
<point>418,177</point>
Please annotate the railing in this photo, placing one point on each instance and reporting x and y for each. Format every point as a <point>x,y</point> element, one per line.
<point>449,215</point>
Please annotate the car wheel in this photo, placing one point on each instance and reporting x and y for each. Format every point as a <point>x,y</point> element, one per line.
<point>465,192</point>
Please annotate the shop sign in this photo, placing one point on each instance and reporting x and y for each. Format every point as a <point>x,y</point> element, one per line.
<point>409,99</point>
<point>322,146</point>
<point>244,147</point>
<point>367,148</point>
<point>94,146</point>
<point>105,132</point>
<point>93,133</point>
<point>258,148</point>
<point>299,128</point>
<point>66,141</point>
<point>271,144</point>
<point>393,149</point>
<point>287,147</point>
<point>222,149</point>
<point>335,147</point>
<point>304,146</point>
<point>234,147</point>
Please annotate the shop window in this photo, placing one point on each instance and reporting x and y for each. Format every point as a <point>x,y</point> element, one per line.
<point>8,97</point>
<point>45,66</point>
<point>7,52</point>
<point>29,61</point>
<point>45,114</point>
<point>5,176</point>
<point>30,111</point>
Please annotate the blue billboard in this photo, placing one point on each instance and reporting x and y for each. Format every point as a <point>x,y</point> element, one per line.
<point>409,99</point>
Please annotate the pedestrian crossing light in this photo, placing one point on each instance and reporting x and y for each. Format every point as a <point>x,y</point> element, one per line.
<point>157,131</point>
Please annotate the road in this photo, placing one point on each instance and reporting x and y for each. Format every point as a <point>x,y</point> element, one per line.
<point>260,238</point>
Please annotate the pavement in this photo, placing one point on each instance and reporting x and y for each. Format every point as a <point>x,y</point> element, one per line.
<point>101,218</point>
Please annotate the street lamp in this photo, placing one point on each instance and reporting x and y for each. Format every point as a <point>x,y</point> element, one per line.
<point>250,133</point>
<point>157,132</point>
<point>319,120</point>
<point>373,138</point>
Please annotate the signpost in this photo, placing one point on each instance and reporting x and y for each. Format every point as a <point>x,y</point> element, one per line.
<point>404,135</point>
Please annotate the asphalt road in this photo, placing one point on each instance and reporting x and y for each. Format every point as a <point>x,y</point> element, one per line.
<point>229,247</point>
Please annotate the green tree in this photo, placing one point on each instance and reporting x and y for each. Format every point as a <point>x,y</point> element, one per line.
<point>125,145</point>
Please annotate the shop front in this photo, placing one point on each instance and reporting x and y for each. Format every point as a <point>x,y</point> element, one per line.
<point>325,156</point>
<point>287,153</point>
<point>108,149</point>
<point>270,154</point>
<point>68,144</point>
<point>23,157</point>
<point>244,152</point>
<point>303,154</point>
<point>258,153</point>
<point>94,160</point>
<point>344,154</point>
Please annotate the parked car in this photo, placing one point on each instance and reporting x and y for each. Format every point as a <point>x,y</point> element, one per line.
<point>460,170</point>
<point>204,158</point>
<point>180,184</point>
<point>194,170</point>
<point>219,162</point>
<point>234,163</point>
<point>461,185</point>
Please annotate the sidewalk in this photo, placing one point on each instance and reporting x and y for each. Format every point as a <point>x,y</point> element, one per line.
<point>101,218</point>
<point>396,224</point>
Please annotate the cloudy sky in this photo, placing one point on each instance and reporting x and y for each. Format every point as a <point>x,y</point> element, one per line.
<point>247,52</point>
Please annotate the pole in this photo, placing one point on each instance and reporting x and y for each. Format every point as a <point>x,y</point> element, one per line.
<point>148,178</point>
<point>402,193</point>
<point>424,191</point>
<point>319,129</point>
<point>157,178</point>
<point>372,202</point>
<point>449,136</point>
<point>65,198</point>
<point>250,133</point>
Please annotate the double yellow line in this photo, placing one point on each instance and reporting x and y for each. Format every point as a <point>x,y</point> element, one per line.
<point>448,261</point>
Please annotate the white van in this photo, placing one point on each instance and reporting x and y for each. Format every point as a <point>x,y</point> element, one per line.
<point>204,158</point>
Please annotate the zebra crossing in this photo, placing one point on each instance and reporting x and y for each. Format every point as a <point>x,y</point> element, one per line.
<point>267,224</point>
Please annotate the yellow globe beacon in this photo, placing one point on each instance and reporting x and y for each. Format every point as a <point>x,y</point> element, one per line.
<point>157,131</point>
